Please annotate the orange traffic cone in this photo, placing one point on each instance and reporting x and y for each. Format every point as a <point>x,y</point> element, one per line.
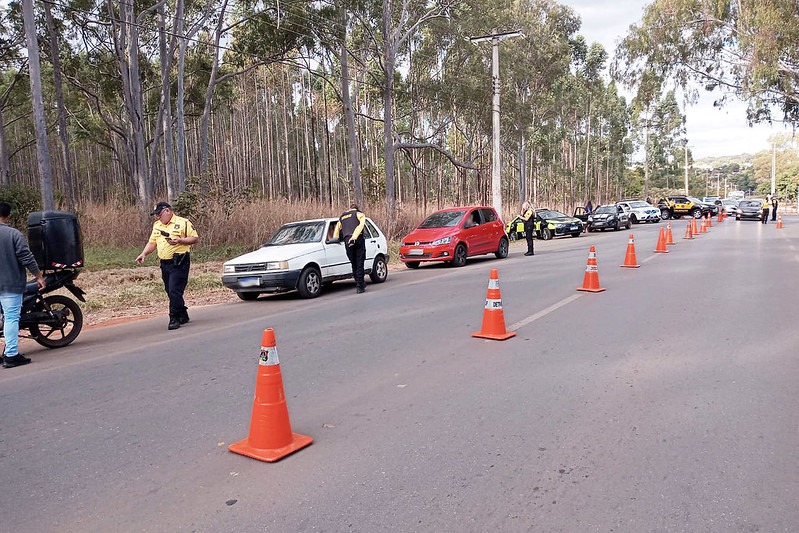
<point>703,227</point>
<point>694,228</point>
<point>661,246</point>
<point>591,278</point>
<point>708,221</point>
<point>779,221</point>
<point>720,217</point>
<point>493,317</point>
<point>270,430</point>
<point>688,233</point>
<point>630,260</point>
<point>669,237</point>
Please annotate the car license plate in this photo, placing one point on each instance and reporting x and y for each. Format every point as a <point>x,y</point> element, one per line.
<point>415,251</point>
<point>574,227</point>
<point>249,282</point>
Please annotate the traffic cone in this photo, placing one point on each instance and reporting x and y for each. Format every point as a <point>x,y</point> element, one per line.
<point>688,233</point>
<point>591,278</point>
<point>669,237</point>
<point>720,217</point>
<point>493,317</point>
<point>630,260</point>
<point>661,246</point>
<point>270,437</point>
<point>694,228</point>
<point>779,221</point>
<point>708,221</point>
<point>703,227</point>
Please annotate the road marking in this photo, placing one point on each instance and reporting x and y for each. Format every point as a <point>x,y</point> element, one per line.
<point>544,312</point>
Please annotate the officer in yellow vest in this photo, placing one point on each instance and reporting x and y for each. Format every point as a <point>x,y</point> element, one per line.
<point>528,215</point>
<point>764,207</point>
<point>349,229</point>
<point>172,236</point>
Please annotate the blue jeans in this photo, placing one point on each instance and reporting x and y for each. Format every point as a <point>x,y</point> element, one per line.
<point>11,304</point>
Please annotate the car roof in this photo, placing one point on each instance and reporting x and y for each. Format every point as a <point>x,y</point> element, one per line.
<point>460,208</point>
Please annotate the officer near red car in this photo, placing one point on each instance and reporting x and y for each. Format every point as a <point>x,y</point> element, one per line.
<point>349,229</point>
<point>172,236</point>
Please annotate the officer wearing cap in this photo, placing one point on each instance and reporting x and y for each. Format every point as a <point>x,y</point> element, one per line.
<point>172,236</point>
<point>349,228</point>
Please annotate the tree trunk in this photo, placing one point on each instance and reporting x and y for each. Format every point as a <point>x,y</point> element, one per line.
<point>349,114</point>
<point>390,51</point>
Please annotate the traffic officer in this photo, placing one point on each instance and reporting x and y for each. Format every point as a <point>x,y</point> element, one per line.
<point>764,205</point>
<point>172,236</point>
<point>528,215</point>
<point>349,229</point>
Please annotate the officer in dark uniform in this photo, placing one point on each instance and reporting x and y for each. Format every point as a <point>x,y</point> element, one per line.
<point>172,236</point>
<point>349,229</point>
<point>528,215</point>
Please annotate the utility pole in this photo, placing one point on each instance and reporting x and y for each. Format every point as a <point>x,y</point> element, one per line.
<point>686,168</point>
<point>496,183</point>
<point>773,168</point>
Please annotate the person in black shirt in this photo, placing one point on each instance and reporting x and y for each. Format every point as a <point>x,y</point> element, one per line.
<point>349,229</point>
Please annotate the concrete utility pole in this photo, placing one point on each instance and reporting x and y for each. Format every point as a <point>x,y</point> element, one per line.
<point>773,168</point>
<point>496,183</point>
<point>686,168</point>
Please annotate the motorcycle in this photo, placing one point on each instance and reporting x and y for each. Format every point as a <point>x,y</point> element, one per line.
<point>53,321</point>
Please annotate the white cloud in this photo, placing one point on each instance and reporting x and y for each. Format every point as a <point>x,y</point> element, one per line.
<point>711,131</point>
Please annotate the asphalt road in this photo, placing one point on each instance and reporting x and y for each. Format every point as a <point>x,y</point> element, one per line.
<point>666,403</point>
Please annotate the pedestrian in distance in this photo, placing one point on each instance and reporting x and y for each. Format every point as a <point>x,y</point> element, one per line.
<point>774,204</point>
<point>173,237</point>
<point>15,257</point>
<point>349,229</point>
<point>528,215</point>
<point>589,207</point>
<point>764,215</point>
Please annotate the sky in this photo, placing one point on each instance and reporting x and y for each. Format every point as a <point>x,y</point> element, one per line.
<point>711,131</point>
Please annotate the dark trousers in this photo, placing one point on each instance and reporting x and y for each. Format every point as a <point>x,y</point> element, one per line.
<point>528,234</point>
<point>764,219</point>
<point>356,253</point>
<point>175,278</point>
<point>773,214</point>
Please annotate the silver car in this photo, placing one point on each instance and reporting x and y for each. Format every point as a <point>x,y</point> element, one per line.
<point>640,211</point>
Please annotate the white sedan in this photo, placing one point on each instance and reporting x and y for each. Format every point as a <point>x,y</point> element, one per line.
<point>301,256</point>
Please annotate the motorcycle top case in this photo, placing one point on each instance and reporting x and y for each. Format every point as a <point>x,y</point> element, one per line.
<point>55,239</point>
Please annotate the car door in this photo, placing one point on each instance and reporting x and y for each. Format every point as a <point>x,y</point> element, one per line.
<point>623,214</point>
<point>472,233</point>
<point>373,247</point>
<point>336,261</point>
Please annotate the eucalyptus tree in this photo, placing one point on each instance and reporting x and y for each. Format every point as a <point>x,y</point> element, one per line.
<point>746,49</point>
<point>11,62</point>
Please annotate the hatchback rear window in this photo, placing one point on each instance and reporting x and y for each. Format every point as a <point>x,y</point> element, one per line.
<point>443,219</point>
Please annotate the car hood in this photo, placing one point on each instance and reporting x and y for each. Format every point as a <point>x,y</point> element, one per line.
<point>276,253</point>
<point>429,234</point>
<point>563,220</point>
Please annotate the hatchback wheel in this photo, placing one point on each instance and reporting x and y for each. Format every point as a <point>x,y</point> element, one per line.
<point>546,234</point>
<point>629,224</point>
<point>459,258</point>
<point>502,251</point>
<point>248,296</point>
<point>379,271</point>
<point>412,264</point>
<point>310,282</point>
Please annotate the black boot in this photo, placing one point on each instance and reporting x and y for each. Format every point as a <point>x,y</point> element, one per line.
<point>174,323</point>
<point>183,318</point>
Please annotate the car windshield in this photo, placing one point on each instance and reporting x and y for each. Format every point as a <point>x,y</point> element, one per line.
<point>639,204</point>
<point>749,203</point>
<point>695,200</point>
<point>609,209</point>
<point>729,202</point>
<point>546,213</point>
<point>297,233</point>
<point>443,219</point>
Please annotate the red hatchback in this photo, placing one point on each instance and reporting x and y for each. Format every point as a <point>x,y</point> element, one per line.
<point>455,234</point>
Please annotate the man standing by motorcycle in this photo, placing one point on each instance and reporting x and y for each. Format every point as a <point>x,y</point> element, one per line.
<point>172,236</point>
<point>15,257</point>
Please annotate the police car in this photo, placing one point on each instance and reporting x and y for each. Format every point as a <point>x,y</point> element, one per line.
<point>301,256</point>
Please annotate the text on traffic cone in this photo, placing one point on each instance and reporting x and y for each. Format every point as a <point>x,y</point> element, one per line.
<point>493,317</point>
<point>661,246</point>
<point>591,278</point>
<point>270,436</point>
<point>630,261</point>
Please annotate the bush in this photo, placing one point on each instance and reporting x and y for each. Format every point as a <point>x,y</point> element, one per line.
<point>23,200</point>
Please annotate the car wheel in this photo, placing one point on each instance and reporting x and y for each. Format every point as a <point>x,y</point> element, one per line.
<point>512,236</point>
<point>590,229</point>
<point>502,251</point>
<point>576,234</point>
<point>616,226</point>
<point>696,213</point>
<point>459,257</point>
<point>248,296</point>
<point>629,224</point>
<point>412,264</point>
<point>634,219</point>
<point>379,271</point>
<point>310,282</point>
<point>665,214</point>
<point>546,234</point>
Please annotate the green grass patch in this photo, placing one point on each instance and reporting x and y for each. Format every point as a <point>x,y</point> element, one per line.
<point>105,257</point>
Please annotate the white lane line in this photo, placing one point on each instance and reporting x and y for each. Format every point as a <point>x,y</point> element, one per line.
<point>532,318</point>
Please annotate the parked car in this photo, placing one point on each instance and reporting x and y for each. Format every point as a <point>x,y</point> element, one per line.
<point>708,208</point>
<point>750,208</point>
<point>452,235</point>
<point>640,211</point>
<point>550,223</point>
<point>712,200</point>
<point>679,206</point>
<point>515,228</point>
<point>301,256</point>
<point>610,216</point>
<point>730,206</point>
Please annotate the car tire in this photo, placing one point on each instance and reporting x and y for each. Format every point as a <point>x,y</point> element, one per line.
<point>634,219</point>
<point>412,264</point>
<point>512,236</point>
<point>310,283</point>
<point>616,226</point>
<point>248,296</point>
<point>379,271</point>
<point>629,224</point>
<point>576,234</point>
<point>665,214</point>
<point>502,251</point>
<point>546,234</point>
<point>459,257</point>
<point>696,213</point>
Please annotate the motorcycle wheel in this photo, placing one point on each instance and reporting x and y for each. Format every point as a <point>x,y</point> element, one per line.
<point>66,326</point>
